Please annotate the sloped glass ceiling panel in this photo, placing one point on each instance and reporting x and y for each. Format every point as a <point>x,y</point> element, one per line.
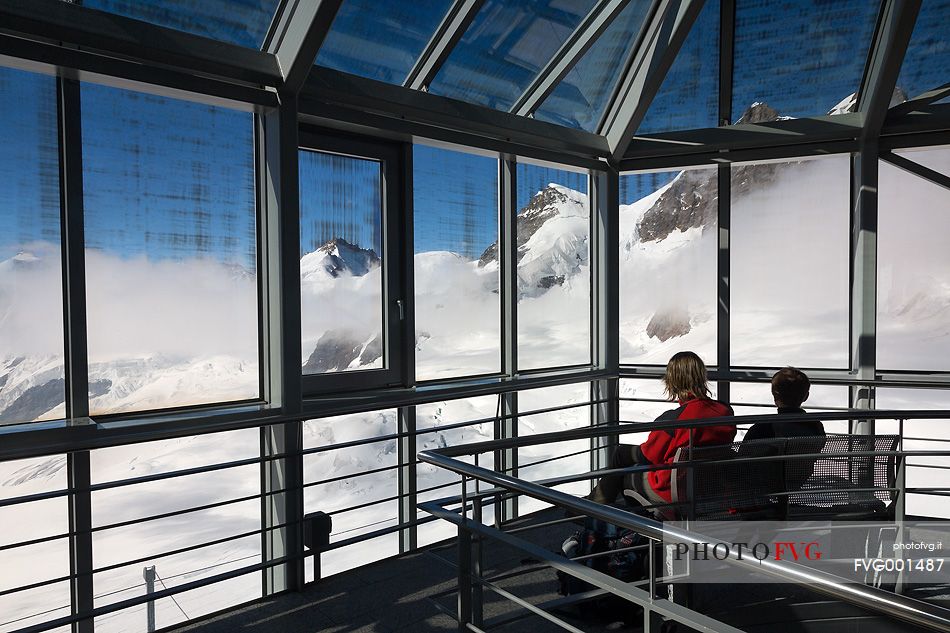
<point>799,58</point>
<point>581,97</point>
<point>689,95</point>
<point>380,41</point>
<point>927,62</point>
<point>242,22</point>
<point>506,46</point>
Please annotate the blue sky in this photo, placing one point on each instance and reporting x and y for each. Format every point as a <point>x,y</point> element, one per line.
<point>172,179</point>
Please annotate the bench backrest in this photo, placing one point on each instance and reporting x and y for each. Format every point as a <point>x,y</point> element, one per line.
<point>801,484</point>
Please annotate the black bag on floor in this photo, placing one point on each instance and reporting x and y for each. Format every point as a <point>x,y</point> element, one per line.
<point>607,547</point>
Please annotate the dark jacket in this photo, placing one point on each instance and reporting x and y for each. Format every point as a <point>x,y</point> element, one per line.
<point>661,445</point>
<point>794,471</point>
<point>766,431</point>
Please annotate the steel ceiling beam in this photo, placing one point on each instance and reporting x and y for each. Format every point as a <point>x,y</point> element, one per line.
<point>329,94</point>
<point>664,33</point>
<point>566,57</point>
<point>296,35</point>
<point>919,101</point>
<point>894,29</point>
<point>82,65</point>
<point>443,41</point>
<point>148,44</point>
<point>917,169</point>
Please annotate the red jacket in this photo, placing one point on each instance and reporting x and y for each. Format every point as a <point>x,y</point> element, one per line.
<point>661,445</point>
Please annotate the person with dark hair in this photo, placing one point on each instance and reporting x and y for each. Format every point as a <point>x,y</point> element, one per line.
<point>789,390</point>
<point>686,382</point>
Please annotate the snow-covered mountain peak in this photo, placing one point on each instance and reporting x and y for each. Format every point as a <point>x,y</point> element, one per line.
<point>338,257</point>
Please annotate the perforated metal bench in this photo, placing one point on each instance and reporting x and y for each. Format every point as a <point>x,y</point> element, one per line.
<point>819,477</point>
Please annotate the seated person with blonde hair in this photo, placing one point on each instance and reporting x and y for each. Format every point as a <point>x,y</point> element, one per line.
<point>686,382</point>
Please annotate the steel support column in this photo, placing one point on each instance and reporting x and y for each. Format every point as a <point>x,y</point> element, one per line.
<point>506,460</point>
<point>605,306</point>
<point>863,331</point>
<point>76,368</point>
<point>727,17</point>
<point>723,283</point>
<point>282,512</point>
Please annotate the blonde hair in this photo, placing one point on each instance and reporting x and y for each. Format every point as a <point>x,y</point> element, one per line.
<point>685,377</point>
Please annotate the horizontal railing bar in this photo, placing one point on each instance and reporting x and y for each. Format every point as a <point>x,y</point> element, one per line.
<point>352,443</point>
<point>35,541</point>
<point>527,605</point>
<point>554,459</point>
<point>623,428</point>
<point>926,439</point>
<point>365,505</point>
<point>903,608</point>
<point>374,471</point>
<point>31,498</point>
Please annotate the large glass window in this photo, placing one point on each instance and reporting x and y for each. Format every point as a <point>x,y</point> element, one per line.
<point>668,251</point>
<point>341,251</point>
<point>32,385</point>
<point>169,196</point>
<point>380,41</point>
<point>553,228</point>
<point>790,269</point>
<point>506,46</point>
<point>458,308</point>
<point>354,479</point>
<point>242,22</point>
<point>913,265</point>
<point>802,58</point>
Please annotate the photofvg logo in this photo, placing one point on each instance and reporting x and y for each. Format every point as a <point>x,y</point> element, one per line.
<point>876,553</point>
<point>775,550</point>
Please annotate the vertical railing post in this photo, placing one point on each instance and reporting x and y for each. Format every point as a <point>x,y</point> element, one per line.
<point>506,460</point>
<point>464,612</point>
<point>464,608</point>
<point>408,496</point>
<point>149,575</point>
<point>477,589</point>
<point>900,509</point>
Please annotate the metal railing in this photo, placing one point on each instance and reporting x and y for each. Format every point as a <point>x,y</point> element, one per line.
<point>472,530</point>
<point>377,522</point>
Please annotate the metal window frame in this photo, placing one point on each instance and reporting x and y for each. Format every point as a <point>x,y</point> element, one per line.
<point>394,261</point>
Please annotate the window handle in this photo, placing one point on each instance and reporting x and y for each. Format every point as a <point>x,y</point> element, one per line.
<point>402,309</point>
